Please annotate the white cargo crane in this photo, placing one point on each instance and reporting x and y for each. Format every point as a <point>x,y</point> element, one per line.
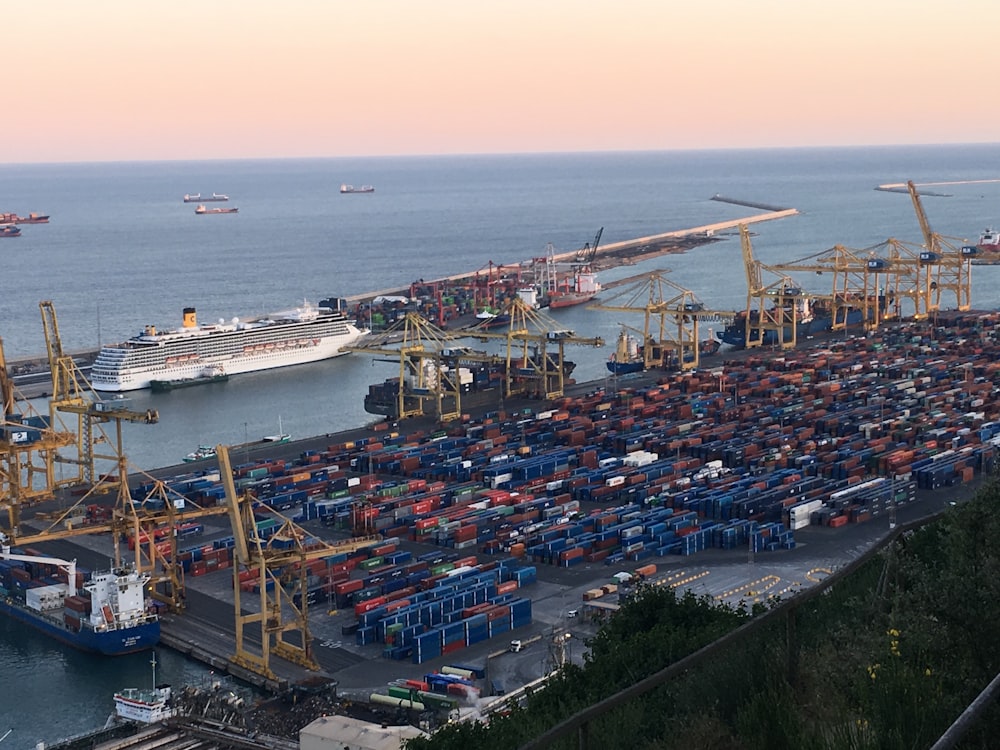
<point>68,565</point>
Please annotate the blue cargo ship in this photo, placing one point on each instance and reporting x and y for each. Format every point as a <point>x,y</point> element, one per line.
<point>107,616</point>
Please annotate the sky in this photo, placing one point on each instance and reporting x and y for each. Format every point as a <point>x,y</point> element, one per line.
<point>120,80</point>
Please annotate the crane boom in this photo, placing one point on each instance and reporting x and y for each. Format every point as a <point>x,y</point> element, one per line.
<point>68,565</point>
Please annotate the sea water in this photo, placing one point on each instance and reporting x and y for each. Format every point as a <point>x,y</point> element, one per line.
<point>122,250</point>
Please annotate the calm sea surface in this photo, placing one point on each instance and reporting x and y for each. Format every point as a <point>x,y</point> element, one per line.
<point>123,250</point>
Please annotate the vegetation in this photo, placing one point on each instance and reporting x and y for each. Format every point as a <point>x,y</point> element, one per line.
<point>886,659</point>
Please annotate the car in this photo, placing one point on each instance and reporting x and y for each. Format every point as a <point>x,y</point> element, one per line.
<point>573,613</point>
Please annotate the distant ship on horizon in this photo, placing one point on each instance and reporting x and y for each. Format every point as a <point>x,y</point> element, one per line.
<point>351,189</point>
<point>196,198</point>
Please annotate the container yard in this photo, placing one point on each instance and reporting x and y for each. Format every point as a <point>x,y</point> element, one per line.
<point>493,529</point>
<point>420,563</point>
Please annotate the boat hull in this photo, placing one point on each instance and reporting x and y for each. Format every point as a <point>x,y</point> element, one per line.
<point>162,386</point>
<point>110,642</point>
<point>624,368</point>
<point>571,299</point>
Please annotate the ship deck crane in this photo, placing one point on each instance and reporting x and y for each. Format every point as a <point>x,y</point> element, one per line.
<point>671,318</point>
<point>253,553</point>
<point>71,394</point>
<point>67,565</point>
<point>29,448</point>
<point>529,368</point>
<point>953,264</point>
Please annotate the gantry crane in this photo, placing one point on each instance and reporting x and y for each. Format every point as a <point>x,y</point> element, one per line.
<point>28,450</point>
<point>896,273</point>
<point>771,308</point>
<point>420,348</point>
<point>529,367</point>
<point>267,561</point>
<point>671,317</point>
<point>850,292</point>
<point>71,394</point>
<point>135,517</point>
<point>953,263</point>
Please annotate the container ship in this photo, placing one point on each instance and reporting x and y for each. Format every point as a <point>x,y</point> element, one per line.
<point>811,320</point>
<point>106,614</point>
<point>307,334</point>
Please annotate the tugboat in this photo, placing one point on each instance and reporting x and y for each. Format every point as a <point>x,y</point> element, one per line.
<point>201,453</point>
<point>10,230</point>
<point>145,706</point>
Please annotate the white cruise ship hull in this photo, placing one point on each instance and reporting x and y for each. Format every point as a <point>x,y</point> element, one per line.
<point>232,349</point>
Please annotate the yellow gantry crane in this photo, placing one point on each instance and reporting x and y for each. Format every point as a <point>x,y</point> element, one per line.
<point>671,317</point>
<point>530,368</point>
<point>850,293</point>
<point>71,394</point>
<point>420,348</point>
<point>29,448</point>
<point>771,308</point>
<point>267,561</point>
<point>953,264</point>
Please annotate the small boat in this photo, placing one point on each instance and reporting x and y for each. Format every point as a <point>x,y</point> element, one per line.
<point>10,230</point>
<point>161,386</point>
<point>145,706</point>
<point>362,189</point>
<point>280,437</point>
<point>201,453</point>
<point>490,319</point>
<point>202,209</point>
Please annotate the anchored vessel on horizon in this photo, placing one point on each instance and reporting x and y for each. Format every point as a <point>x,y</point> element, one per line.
<point>306,334</point>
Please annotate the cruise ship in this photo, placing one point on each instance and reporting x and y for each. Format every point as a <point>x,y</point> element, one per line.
<point>306,334</point>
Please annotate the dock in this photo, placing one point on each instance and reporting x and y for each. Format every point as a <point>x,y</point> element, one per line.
<point>627,252</point>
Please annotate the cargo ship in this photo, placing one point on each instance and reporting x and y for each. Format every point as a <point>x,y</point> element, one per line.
<point>106,615</point>
<point>577,289</point>
<point>351,189</point>
<point>811,320</point>
<point>627,356</point>
<point>203,209</point>
<point>196,198</point>
<point>32,218</point>
<point>306,334</point>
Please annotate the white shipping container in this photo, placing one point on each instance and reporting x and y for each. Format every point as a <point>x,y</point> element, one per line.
<point>614,481</point>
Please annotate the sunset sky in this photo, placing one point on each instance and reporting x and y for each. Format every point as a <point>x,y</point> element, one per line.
<point>111,80</point>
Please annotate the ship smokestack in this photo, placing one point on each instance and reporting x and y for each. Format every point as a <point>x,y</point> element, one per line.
<point>190,319</point>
